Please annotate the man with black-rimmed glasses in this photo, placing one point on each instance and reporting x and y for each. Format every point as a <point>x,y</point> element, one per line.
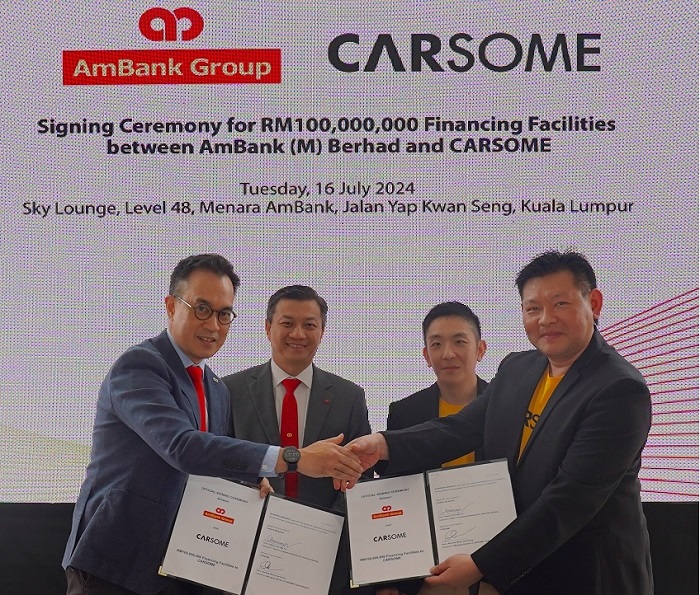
<point>162,414</point>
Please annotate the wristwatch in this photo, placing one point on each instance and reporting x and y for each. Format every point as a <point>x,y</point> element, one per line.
<point>291,456</point>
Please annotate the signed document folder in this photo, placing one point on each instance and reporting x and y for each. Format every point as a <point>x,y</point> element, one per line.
<point>226,537</point>
<point>401,526</point>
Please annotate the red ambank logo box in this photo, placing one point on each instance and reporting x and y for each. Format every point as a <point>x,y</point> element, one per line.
<point>171,67</point>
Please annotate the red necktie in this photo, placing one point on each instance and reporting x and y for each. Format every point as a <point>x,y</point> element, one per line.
<point>289,430</point>
<point>196,374</point>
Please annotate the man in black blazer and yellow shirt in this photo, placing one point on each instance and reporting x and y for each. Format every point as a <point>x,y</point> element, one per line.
<point>452,347</point>
<point>571,418</point>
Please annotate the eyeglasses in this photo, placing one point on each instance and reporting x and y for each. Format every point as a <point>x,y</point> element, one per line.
<point>204,312</point>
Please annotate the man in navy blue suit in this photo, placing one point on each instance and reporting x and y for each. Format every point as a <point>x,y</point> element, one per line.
<point>152,429</point>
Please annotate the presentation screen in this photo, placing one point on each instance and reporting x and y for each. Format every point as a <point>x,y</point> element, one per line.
<point>393,155</point>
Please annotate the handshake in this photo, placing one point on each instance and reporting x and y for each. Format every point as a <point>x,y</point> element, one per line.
<point>345,464</point>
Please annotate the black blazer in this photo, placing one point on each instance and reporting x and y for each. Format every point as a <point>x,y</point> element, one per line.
<point>419,407</point>
<point>580,527</point>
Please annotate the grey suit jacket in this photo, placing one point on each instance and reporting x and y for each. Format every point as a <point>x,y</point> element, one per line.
<point>335,405</point>
<point>580,528</point>
<point>145,443</point>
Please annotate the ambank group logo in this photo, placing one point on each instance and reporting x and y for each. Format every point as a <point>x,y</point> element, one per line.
<point>171,66</point>
<point>169,21</point>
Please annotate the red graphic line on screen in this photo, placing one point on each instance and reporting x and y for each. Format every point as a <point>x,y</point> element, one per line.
<point>649,333</point>
<point>673,457</point>
<point>672,380</point>
<point>646,375</point>
<point>658,355</point>
<point>674,390</point>
<point>664,434</point>
<point>673,481</point>
<point>672,445</point>
<point>669,493</point>
<point>675,423</point>
<point>630,328</point>
<point>667,469</point>
<point>666,362</point>
<point>659,345</point>
<point>654,308</point>
<point>652,337</point>
<point>677,412</point>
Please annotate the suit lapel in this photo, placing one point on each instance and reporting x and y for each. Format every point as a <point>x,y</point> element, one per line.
<point>262,396</point>
<point>565,385</point>
<point>320,403</point>
<point>522,395</point>
<point>431,404</point>
<point>218,414</point>
<point>163,344</point>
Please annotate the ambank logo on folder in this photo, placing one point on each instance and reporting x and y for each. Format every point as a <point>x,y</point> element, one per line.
<point>171,66</point>
<point>386,513</point>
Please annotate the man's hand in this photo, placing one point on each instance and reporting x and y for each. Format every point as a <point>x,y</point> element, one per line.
<point>458,571</point>
<point>265,487</point>
<point>326,458</point>
<point>370,449</point>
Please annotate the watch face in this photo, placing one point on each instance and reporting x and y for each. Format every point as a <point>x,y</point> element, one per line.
<point>291,454</point>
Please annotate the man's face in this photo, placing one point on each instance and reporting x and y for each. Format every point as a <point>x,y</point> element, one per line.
<point>452,350</point>
<point>558,319</point>
<point>200,339</point>
<point>295,333</point>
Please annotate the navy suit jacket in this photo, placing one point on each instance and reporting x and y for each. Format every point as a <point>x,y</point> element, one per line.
<point>580,527</point>
<point>145,443</point>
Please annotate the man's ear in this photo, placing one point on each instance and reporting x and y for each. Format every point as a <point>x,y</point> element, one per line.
<point>595,299</point>
<point>481,350</point>
<point>425,356</point>
<point>170,306</point>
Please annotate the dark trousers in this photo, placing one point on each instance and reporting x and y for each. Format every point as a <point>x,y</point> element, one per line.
<point>83,583</point>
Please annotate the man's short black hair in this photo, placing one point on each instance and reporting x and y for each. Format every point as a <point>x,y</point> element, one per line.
<point>208,262</point>
<point>553,261</point>
<point>451,309</point>
<point>298,293</point>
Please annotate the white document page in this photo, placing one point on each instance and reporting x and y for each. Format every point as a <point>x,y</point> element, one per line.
<point>389,530</point>
<point>296,549</point>
<point>214,533</point>
<point>470,505</point>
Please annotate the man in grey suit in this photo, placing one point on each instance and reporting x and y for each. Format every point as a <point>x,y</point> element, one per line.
<point>326,405</point>
<point>153,427</point>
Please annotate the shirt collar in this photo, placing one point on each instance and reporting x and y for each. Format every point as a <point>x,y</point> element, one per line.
<point>278,374</point>
<point>186,361</point>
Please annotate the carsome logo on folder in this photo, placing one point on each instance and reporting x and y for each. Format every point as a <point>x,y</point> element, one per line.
<point>166,66</point>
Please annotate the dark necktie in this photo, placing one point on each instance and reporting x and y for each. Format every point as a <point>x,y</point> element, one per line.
<point>197,374</point>
<point>289,430</point>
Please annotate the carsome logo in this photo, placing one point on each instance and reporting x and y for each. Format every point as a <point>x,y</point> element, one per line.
<point>169,21</point>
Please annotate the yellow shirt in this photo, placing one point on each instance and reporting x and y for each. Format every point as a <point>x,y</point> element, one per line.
<point>539,400</point>
<point>446,409</point>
